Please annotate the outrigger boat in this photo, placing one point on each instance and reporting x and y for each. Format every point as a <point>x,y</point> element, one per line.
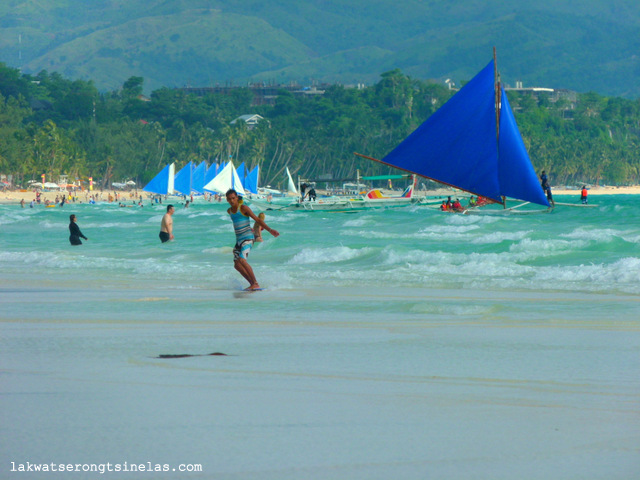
<point>372,200</point>
<point>472,143</point>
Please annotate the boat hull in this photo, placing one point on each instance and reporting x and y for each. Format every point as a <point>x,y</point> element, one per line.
<point>350,204</point>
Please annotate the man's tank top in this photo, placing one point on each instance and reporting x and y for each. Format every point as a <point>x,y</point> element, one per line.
<point>242,226</point>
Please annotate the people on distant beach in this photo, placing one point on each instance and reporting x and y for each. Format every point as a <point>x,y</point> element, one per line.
<point>544,182</point>
<point>22,202</point>
<point>74,232</point>
<point>241,216</point>
<point>166,225</point>
<point>257,229</point>
<point>583,195</point>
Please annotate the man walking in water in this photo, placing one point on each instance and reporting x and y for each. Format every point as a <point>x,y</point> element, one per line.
<point>241,216</point>
<point>166,226</point>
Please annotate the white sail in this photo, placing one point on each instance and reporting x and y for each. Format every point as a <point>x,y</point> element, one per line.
<point>172,174</point>
<point>292,187</point>
<point>226,179</point>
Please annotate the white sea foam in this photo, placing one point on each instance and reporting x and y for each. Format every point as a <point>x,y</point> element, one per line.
<point>49,224</point>
<point>359,221</point>
<point>204,213</point>
<point>622,275</point>
<point>601,235</point>
<point>12,218</point>
<point>454,219</point>
<point>498,237</point>
<point>528,248</point>
<point>327,255</point>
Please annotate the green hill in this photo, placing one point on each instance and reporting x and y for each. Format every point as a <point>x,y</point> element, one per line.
<point>584,46</point>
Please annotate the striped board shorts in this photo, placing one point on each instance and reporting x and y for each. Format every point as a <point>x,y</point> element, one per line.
<point>242,249</point>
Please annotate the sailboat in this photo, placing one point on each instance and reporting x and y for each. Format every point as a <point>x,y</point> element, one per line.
<point>162,183</point>
<point>472,143</point>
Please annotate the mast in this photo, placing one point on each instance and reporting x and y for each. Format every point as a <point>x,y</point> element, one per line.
<point>497,90</point>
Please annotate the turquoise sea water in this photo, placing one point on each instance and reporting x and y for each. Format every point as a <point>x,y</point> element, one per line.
<point>405,343</point>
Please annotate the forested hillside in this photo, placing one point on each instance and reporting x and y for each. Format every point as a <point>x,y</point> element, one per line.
<point>591,45</point>
<point>53,125</point>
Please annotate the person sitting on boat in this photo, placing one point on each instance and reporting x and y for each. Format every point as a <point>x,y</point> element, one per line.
<point>481,201</point>
<point>449,204</point>
<point>583,195</point>
<point>457,206</point>
<point>443,207</point>
<point>472,201</point>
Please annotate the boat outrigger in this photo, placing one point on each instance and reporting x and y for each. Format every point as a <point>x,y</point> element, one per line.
<point>472,143</point>
<point>372,200</point>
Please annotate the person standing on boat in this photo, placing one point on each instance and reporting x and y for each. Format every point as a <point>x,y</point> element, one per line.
<point>74,232</point>
<point>240,216</point>
<point>544,181</point>
<point>583,195</point>
<point>312,194</point>
<point>166,225</point>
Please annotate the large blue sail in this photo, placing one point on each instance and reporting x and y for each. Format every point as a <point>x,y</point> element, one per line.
<point>516,174</point>
<point>184,179</point>
<point>162,183</point>
<point>457,145</point>
<point>198,178</point>
<point>251,180</point>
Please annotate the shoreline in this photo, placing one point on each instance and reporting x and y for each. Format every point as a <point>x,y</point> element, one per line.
<point>14,197</point>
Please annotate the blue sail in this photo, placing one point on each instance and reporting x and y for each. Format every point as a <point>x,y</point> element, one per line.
<point>162,183</point>
<point>184,179</point>
<point>242,173</point>
<point>458,146</point>
<point>198,178</point>
<point>251,180</point>
<point>212,171</point>
<point>516,174</point>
